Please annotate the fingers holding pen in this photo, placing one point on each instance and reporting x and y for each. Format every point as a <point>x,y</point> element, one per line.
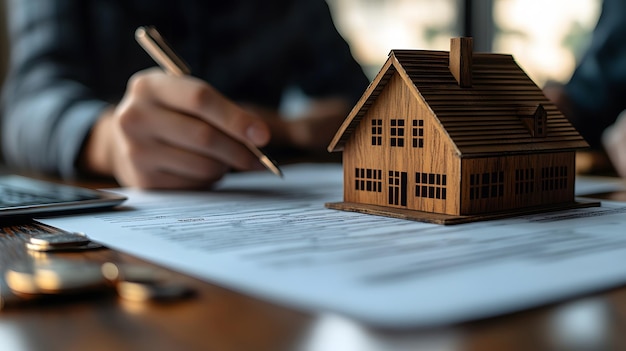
<point>203,101</point>
<point>164,137</point>
<point>160,166</point>
<point>197,98</point>
<point>146,123</point>
<point>188,113</point>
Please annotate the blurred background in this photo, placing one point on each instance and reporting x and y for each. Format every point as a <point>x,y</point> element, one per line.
<point>546,37</point>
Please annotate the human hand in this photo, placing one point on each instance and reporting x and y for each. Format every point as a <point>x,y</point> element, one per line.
<point>614,141</point>
<point>311,131</point>
<point>172,132</point>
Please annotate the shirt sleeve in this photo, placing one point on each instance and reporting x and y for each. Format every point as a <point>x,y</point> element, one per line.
<point>598,86</point>
<point>48,109</point>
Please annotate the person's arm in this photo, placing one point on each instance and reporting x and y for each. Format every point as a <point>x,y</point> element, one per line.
<point>594,96</point>
<point>166,132</point>
<point>48,108</point>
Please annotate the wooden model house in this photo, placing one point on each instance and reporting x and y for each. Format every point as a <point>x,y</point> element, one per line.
<point>455,137</point>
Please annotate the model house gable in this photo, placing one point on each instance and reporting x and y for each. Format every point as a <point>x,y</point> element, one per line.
<point>392,75</point>
<point>399,118</point>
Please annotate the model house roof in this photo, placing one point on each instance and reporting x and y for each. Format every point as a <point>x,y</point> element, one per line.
<point>484,106</point>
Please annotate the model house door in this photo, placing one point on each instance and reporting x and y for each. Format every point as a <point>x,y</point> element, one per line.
<point>397,188</point>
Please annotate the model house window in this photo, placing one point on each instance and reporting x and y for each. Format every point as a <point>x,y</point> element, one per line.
<point>377,132</point>
<point>397,132</point>
<point>524,181</point>
<point>486,185</point>
<point>430,185</point>
<point>418,133</point>
<point>367,179</point>
<point>553,178</point>
<point>540,125</point>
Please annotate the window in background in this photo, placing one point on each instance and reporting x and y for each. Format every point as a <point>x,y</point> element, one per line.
<point>374,27</point>
<point>545,36</point>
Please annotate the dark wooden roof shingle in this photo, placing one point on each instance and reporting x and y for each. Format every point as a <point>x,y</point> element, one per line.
<point>480,120</point>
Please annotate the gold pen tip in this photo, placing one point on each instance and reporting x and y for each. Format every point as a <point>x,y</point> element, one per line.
<point>271,166</point>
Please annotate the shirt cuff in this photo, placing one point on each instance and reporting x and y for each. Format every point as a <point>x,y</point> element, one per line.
<point>76,126</point>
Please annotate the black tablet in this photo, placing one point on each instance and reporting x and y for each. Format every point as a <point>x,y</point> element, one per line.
<point>22,196</point>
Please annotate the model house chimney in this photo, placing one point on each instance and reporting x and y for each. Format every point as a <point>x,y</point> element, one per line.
<point>461,60</point>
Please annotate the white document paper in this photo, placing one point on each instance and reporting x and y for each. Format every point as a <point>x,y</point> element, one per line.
<point>273,238</point>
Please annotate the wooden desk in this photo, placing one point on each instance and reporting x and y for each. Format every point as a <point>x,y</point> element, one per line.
<point>220,319</point>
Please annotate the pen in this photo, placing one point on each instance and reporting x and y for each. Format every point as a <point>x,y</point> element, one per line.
<point>154,44</point>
